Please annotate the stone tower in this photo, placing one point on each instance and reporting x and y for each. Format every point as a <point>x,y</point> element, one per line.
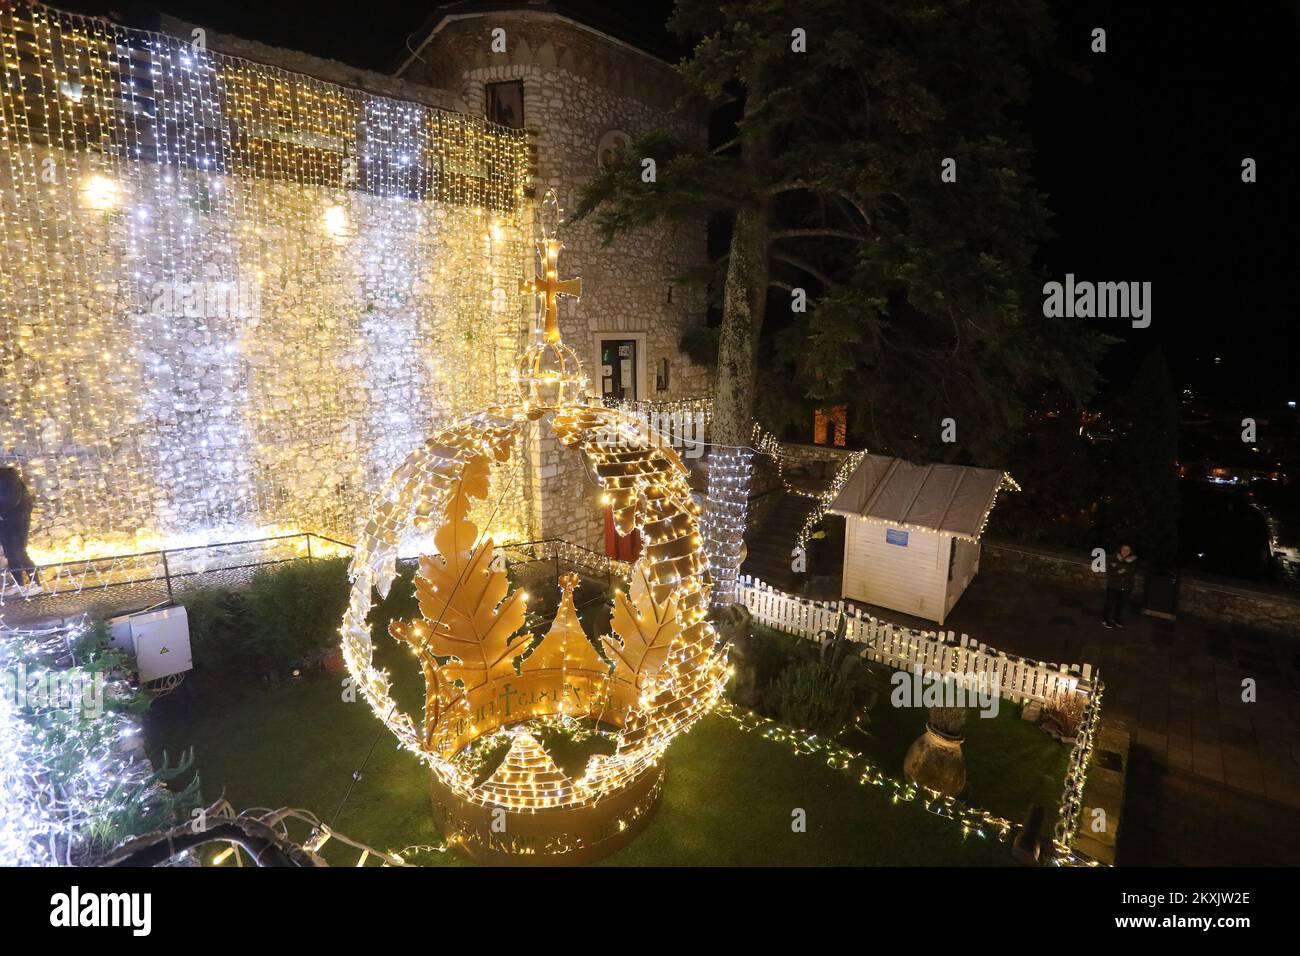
<point>580,92</point>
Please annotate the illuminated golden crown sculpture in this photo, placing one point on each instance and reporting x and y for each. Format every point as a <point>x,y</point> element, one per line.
<point>488,679</point>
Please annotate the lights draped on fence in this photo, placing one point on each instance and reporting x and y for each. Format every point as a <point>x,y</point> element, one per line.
<point>1012,677</point>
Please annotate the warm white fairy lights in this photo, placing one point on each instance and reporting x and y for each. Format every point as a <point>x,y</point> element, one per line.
<point>1076,779</point>
<point>724,527</point>
<point>25,826</point>
<point>768,444</point>
<point>972,820</point>
<point>202,256</point>
<point>487,674</point>
<point>494,681</point>
<point>866,629</point>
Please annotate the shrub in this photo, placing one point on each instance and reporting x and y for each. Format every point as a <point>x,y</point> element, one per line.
<point>218,618</point>
<point>1063,717</point>
<point>400,605</point>
<point>80,752</point>
<point>296,609</point>
<point>811,696</point>
<point>775,651</point>
<point>286,613</point>
<point>950,721</point>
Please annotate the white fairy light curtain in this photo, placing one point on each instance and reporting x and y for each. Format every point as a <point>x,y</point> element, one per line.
<point>233,297</point>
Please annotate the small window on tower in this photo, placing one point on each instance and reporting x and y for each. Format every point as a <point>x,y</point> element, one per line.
<point>505,103</point>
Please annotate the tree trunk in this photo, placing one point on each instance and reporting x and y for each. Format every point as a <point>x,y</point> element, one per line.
<point>743,305</point>
<point>744,301</point>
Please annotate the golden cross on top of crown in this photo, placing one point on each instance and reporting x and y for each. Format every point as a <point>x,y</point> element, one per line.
<point>548,284</point>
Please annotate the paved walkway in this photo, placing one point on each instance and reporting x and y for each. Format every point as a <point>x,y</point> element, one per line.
<point>1212,779</point>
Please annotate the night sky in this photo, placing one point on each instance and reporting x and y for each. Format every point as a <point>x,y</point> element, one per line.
<point>1142,163</point>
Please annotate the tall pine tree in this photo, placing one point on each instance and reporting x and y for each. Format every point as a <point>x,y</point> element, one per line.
<point>921,300</point>
<point>1140,482</point>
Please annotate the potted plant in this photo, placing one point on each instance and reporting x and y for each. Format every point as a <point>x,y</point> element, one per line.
<point>935,759</point>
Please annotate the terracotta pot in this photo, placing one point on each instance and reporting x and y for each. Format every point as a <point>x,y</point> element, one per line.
<point>935,760</point>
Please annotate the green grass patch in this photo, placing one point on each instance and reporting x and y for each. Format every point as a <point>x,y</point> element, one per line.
<point>1010,762</point>
<point>728,799</point>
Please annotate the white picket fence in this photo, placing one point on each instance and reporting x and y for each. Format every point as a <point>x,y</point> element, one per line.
<point>940,652</point>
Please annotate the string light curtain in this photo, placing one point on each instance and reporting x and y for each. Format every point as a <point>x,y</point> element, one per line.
<point>233,297</point>
<point>730,470</point>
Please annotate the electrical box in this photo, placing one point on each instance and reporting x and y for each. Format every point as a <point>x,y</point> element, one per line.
<point>159,639</point>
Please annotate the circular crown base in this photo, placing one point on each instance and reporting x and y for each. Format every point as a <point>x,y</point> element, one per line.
<point>570,836</point>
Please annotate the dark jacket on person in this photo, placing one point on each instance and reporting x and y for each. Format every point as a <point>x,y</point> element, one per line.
<point>14,496</point>
<point>1119,574</point>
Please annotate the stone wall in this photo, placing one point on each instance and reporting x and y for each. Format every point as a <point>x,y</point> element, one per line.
<point>1198,595</point>
<point>579,85</point>
<point>239,319</point>
<point>344,351</point>
<point>331,71</point>
<point>136,411</point>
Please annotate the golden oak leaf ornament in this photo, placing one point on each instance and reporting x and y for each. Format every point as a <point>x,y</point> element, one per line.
<point>645,630</point>
<point>468,615</point>
<point>488,679</point>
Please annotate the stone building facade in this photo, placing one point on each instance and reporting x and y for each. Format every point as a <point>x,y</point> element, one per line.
<point>357,344</point>
<point>584,91</point>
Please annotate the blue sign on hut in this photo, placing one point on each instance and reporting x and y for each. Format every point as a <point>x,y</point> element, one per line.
<point>911,536</point>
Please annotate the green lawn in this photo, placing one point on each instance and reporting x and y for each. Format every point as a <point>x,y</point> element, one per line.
<point>728,799</point>
<point>1010,763</point>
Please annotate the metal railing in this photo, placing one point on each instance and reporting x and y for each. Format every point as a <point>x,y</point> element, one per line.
<point>172,568</point>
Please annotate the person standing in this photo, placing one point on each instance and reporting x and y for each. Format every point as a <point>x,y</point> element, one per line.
<point>1119,584</point>
<point>15,524</point>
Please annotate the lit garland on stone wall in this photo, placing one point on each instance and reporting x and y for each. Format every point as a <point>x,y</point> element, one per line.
<point>648,410</point>
<point>768,444</point>
<point>266,287</point>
